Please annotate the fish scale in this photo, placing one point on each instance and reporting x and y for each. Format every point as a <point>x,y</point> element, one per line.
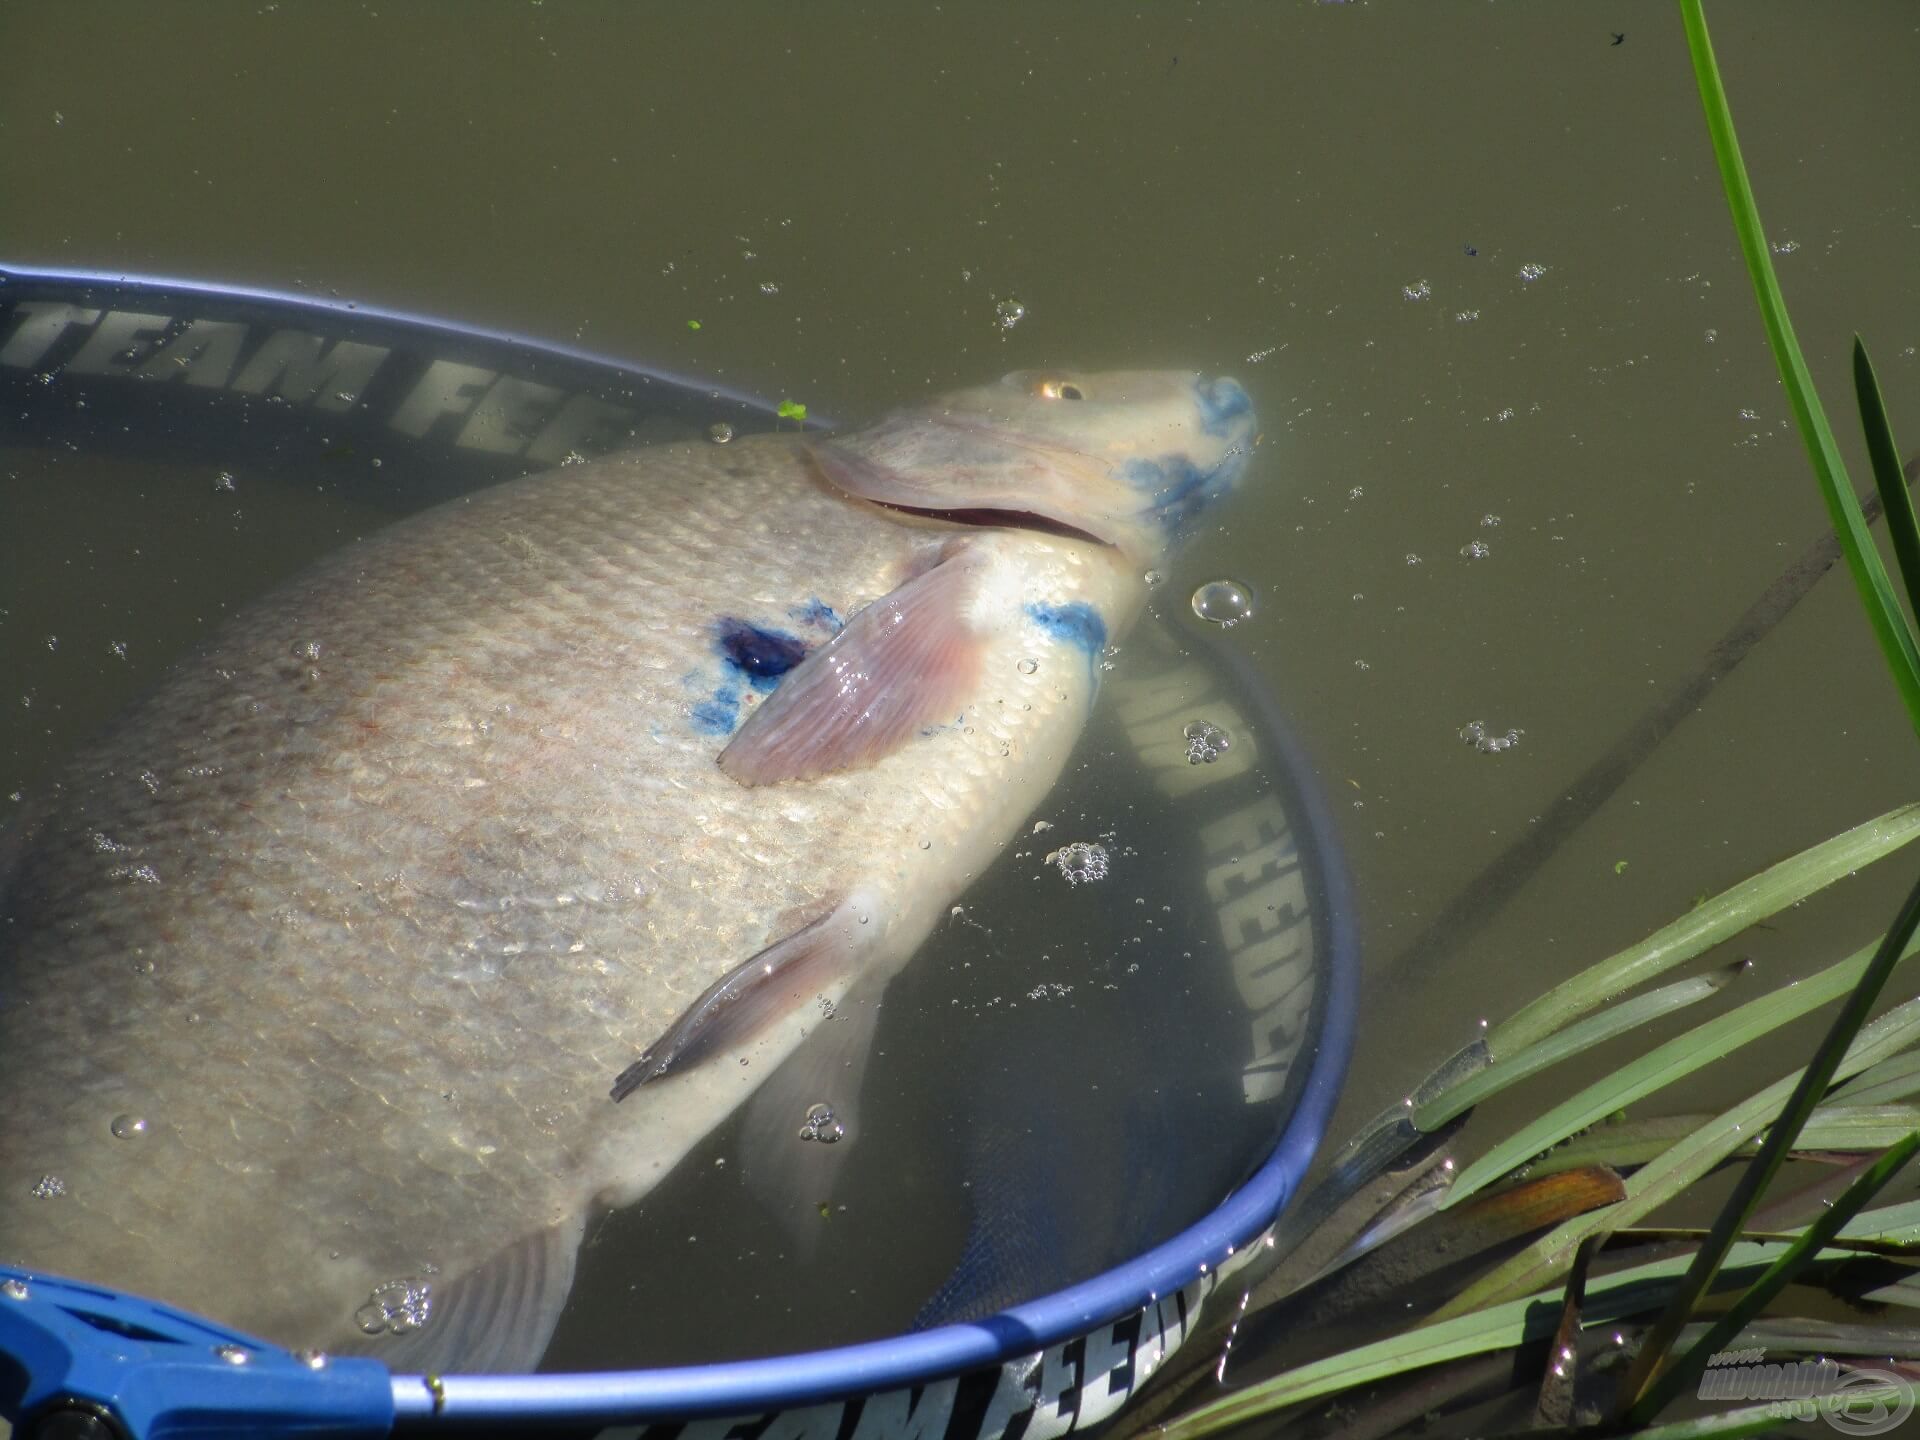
<point>432,843</point>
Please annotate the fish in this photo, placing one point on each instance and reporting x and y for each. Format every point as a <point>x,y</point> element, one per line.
<point>448,896</point>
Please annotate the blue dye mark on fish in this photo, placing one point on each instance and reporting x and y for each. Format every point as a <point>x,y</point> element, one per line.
<point>1221,402</point>
<point>761,655</point>
<point>818,614</point>
<point>1178,490</point>
<point>719,715</point>
<point>1078,625</point>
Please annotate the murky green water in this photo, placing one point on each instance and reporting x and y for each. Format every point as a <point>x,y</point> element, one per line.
<point>1472,262</point>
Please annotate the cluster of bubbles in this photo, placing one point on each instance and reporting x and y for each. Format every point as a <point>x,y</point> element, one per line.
<point>1476,734</point>
<point>821,1125</point>
<point>1206,742</point>
<point>1080,861</point>
<point>1224,602</point>
<point>1009,313</point>
<point>396,1307</point>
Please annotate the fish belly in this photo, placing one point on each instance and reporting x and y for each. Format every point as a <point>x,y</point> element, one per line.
<point>314,975</point>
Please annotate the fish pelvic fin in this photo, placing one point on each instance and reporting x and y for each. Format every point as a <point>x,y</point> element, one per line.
<point>791,1155</point>
<point>751,996</point>
<point>906,662</point>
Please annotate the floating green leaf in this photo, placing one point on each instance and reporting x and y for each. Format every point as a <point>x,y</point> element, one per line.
<point>792,410</point>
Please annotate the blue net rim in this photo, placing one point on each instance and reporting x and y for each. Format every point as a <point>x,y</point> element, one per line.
<point>782,1382</point>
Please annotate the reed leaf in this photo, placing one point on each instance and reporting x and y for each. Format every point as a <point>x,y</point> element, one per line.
<point>1705,926</point>
<point>1662,1066</point>
<point>1544,1261</point>
<point>1690,1363</point>
<point>1890,625</point>
<point>1835,1050</point>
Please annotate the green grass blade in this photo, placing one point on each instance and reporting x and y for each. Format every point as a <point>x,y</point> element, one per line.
<point>1627,1144</point>
<point>1583,1035</point>
<point>1705,926</point>
<point>1610,1298</point>
<point>1814,1080</point>
<point>1885,1083</point>
<point>1661,1067</point>
<point>1688,1366</point>
<point>1544,1261</point>
<point>1890,626</point>
<point>1867,1404</point>
<point>1567,1043</point>
<point>1895,502</point>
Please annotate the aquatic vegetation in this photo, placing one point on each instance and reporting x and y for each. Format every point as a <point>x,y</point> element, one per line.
<point>1624,1343</point>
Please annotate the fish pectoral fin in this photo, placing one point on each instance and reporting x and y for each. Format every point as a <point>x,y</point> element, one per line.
<point>494,1320</point>
<point>751,996</point>
<point>907,661</point>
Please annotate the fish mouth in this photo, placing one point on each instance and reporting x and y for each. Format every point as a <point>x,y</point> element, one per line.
<point>902,488</point>
<point>984,519</point>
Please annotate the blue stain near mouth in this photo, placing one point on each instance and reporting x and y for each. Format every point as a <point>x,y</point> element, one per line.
<point>1221,402</point>
<point>1179,490</point>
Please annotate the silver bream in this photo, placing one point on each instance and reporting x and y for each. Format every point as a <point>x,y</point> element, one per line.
<point>460,887</point>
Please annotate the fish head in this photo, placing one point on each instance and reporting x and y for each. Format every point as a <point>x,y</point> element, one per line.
<point>1128,458</point>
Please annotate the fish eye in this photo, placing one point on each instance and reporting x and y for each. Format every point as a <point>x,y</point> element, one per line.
<point>1051,389</point>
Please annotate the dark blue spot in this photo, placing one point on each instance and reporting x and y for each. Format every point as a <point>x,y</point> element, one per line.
<point>1078,625</point>
<point>761,655</point>
<point>1221,402</point>
<point>819,615</point>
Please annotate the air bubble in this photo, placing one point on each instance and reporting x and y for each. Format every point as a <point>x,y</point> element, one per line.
<point>224,483</point>
<point>1009,313</point>
<point>1224,602</point>
<point>1080,862</point>
<point>1481,738</point>
<point>821,1125</point>
<point>1476,550</point>
<point>720,432</point>
<point>396,1307</point>
<point>128,1127</point>
<point>1206,742</point>
<point>1029,665</point>
<point>1154,579</point>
